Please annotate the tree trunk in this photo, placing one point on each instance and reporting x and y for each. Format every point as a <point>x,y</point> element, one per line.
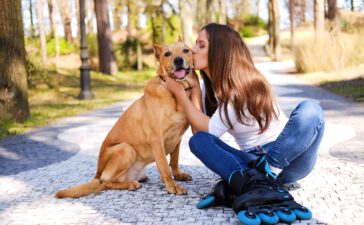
<point>31,19</point>
<point>200,14</point>
<point>186,9</point>
<point>210,11</point>
<point>43,43</point>
<point>257,7</point>
<point>50,13</point>
<point>332,9</point>
<point>352,5</point>
<point>77,15</point>
<point>90,16</point>
<point>269,48</point>
<point>163,22</point>
<point>276,36</point>
<point>107,62</point>
<point>222,12</point>
<point>116,15</point>
<point>319,16</point>
<point>56,35</point>
<point>303,12</point>
<point>292,21</point>
<point>13,75</point>
<point>65,11</point>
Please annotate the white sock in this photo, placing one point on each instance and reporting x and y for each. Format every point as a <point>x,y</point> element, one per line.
<point>275,170</point>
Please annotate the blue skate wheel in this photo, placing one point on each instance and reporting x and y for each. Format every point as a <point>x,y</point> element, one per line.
<point>286,215</point>
<point>248,218</point>
<point>303,213</point>
<point>268,217</point>
<point>206,202</point>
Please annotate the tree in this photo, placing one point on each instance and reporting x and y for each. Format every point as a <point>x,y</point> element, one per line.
<point>186,9</point>
<point>89,5</point>
<point>292,20</point>
<point>274,23</point>
<point>13,77</point>
<point>50,13</point>
<point>65,11</point>
<point>31,19</point>
<point>303,12</point>
<point>41,30</point>
<point>107,62</point>
<point>319,16</point>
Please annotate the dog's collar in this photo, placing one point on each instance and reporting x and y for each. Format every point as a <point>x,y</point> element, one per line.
<point>186,89</point>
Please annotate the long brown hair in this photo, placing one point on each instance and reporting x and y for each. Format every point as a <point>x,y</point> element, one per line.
<point>235,79</point>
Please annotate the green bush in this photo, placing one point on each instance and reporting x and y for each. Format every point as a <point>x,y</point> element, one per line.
<point>64,47</point>
<point>253,26</point>
<point>36,74</point>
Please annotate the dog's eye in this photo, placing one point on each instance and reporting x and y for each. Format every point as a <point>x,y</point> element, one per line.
<point>186,50</point>
<point>167,54</point>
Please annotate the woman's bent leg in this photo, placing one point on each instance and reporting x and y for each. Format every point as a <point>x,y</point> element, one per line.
<point>218,156</point>
<point>295,150</point>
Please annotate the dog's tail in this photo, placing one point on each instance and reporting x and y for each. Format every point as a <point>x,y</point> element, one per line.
<point>94,186</point>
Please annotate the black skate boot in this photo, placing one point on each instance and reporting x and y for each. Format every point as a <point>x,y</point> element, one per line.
<point>221,195</point>
<point>259,199</point>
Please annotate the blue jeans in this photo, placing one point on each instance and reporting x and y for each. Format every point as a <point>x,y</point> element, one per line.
<point>294,150</point>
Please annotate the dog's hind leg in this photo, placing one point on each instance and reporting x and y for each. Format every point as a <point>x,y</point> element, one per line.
<point>114,175</point>
<point>173,163</point>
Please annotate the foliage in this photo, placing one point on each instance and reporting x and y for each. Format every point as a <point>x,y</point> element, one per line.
<point>36,75</point>
<point>64,47</point>
<point>92,45</point>
<point>253,26</point>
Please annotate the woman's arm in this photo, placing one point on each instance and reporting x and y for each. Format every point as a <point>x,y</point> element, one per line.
<point>199,121</point>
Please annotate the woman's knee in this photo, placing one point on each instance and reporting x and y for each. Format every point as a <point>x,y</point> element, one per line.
<point>311,111</point>
<point>196,141</point>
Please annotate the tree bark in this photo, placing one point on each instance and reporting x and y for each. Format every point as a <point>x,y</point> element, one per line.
<point>186,9</point>
<point>352,5</point>
<point>319,16</point>
<point>13,76</point>
<point>332,9</point>
<point>303,12</point>
<point>276,36</point>
<point>50,13</point>
<point>257,7</point>
<point>222,12</point>
<point>77,15</point>
<point>90,16</point>
<point>31,19</point>
<point>65,11</point>
<point>200,14</point>
<point>107,62</point>
<point>42,37</point>
<point>292,21</point>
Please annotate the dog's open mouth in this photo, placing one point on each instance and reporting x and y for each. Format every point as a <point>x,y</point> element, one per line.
<point>180,73</point>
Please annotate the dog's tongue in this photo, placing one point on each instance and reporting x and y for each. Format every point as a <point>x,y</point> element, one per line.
<point>180,73</point>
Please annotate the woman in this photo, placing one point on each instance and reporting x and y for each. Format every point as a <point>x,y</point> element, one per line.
<point>239,101</point>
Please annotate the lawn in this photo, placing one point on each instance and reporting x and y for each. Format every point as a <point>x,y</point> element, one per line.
<point>57,96</point>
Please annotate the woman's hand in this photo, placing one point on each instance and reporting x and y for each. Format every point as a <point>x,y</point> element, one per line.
<point>176,88</point>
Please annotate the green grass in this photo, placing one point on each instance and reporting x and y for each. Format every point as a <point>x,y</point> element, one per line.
<point>57,96</point>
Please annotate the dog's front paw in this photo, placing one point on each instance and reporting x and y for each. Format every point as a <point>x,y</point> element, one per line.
<point>177,189</point>
<point>183,177</point>
<point>134,185</point>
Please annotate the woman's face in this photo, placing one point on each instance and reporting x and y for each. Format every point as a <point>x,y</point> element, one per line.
<point>200,52</point>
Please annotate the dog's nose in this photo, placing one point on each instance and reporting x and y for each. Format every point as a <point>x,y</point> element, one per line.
<point>178,61</point>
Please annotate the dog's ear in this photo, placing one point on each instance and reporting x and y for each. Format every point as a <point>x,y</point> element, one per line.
<point>158,49</point>
<point>180,39</point>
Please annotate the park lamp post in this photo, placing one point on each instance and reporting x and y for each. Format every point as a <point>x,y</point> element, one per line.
<point>85,66</point>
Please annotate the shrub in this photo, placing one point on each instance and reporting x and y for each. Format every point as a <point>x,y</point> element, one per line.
<point>64,47</point>
<point>328,52</point>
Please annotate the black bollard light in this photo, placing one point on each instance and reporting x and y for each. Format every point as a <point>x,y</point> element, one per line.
<point>85,68</point>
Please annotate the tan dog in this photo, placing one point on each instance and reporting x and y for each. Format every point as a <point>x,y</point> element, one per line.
<point>149,130</point>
